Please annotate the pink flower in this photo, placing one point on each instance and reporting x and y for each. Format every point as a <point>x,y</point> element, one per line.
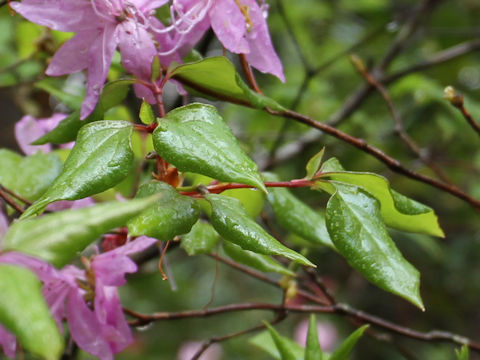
<point>240,25</point>
<point>28,129</point>
<point>88,299</point>
<point>100,25</point>
<point>327,334</point>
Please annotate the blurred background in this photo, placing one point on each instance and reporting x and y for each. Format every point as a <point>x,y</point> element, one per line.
<point>313,39</point>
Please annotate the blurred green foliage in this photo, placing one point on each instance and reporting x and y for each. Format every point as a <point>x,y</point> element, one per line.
<point>323,29</point>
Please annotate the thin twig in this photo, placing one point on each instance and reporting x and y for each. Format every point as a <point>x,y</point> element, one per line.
<point>397,119</point>
<point>458,102</point>
<point>340,309</point>
<point>5,196</point>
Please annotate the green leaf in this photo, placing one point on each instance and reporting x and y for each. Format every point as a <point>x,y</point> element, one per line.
<point>69,127</point>
<point>462,354</point>
<point>156,69</point>
<point>296,216</point>
<point>358,232</point>
<point>260,262</point>
<point>195,138</point>
<point>265,342</point>
<point>397,211</point>
<point>24,312</point>
<point>28,176</point>
<point>313,165</point>
<point>173,214</point>
<point>233,224</point>
<point>251,199</point>
<point>346,348</point>
<point>48,84</point>
<point>313,350</point>
<point>58,237</point>
<point>200,240</point>
<point>216,77</point>
<point>113,93</point>
<point>100,159</point>
<point>146,113</point>
<point>331,165</point>
<point>282,344</point>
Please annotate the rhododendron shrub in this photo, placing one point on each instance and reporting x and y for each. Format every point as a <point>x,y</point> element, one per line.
<point>115,180</point>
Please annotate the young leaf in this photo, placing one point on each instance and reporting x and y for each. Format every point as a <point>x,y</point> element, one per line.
<point>200,240</point>
<point>313,350</point>
<point>28,176</point>
<point>195,138</point>
<point>58,237</point>
<point>146,113</point>
<point>260,262</point>
<point>216,77</point>
<point>296,216</point>
<point>173,214</point>
<point>265,342</point>
<point>233,224</point>
<point>100,159</point>
<point>358,232</point>
<point>397,211</point>
<point>113,94</point>
<point>24,312</point>
<point>462,354</point>
<point>313,164</point>
<point>346,348</point>
<point>69,127</point>
<point>283,346</point>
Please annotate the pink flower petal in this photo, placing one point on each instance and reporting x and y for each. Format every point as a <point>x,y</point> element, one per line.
<point>100,58</point>
<point>73,55</point>
<point>262,55</point>
<point>8,342</point>
<point>228,23</point>
<point>3,226</point>
<point>85,327</point>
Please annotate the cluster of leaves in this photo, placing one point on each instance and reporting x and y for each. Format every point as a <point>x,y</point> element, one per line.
<point>114,157</point>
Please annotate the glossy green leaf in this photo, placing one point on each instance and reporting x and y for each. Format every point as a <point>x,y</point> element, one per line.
<point>359,234</point>
<point>146,113</point>
<point>28,176</point>
<point>463,353</point>
<point>100,159</point>
<point>233,224</point>
<point>217,77</point>
<point>251,199</point>
<point>313,350</point>
<point>265,342</point>
<point>24,312</point>
<point>282,343</point>
<point>260,262</point>
<point>331,165</point>
<point>397,211</point>
<point>344,350</point>
<point>58,237</point>
<point>200,240</point>
<point>173,214</point>
<point>195,138</point>
<point>296,216</point>
<point>67,130</point>
<point>313,165</point>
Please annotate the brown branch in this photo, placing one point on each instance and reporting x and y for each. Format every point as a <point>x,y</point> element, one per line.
<point>5,196</point>
<point>247,70</point>
<point>398,122</point>
<point>340,309</point>
<point>390,162</point>
<point>457,101</point>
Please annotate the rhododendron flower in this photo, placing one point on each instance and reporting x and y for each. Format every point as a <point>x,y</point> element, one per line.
<point>28,129</point>
<point>100,25</point>
<point>240,25</point>
<point>87,299</point>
